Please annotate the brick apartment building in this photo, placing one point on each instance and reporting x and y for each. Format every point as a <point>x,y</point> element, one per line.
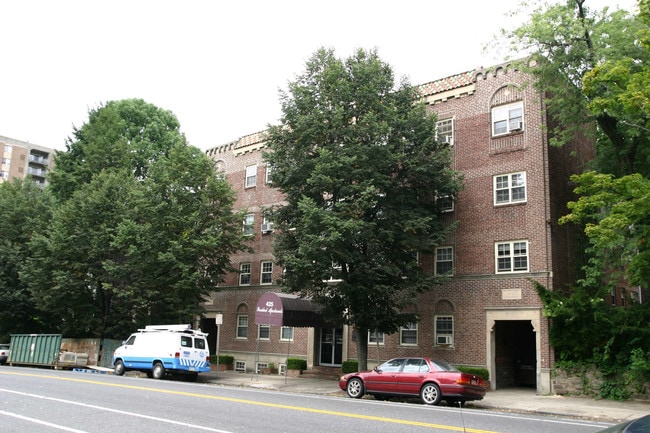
<point>488,314</point>
<point>21,159</point>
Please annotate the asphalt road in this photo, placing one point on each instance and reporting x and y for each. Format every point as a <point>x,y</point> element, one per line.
<point>43,400</point>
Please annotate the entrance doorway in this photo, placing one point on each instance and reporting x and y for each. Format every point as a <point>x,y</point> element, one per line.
<point>515,353</point>
<point>331,346</point>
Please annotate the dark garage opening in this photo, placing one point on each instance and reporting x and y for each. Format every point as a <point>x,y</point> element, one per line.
<point>516,358</point>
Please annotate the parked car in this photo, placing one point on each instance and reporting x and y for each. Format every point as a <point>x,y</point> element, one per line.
<point>4,353</point>
<point>432,381</point>
<point>639,425</point>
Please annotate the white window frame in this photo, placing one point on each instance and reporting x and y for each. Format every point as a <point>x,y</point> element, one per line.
<point>446,203</point>
<point>242,327</point>
<point>511,252</point>
<point>245,270</point>
<point>268,173</point>
<point>511,184</point>
<point>375,338</point>
<point>444,254</point>
<point>445,131</point>
<point>408,328</point>
<point>249,224</point>
<point>267,332</point>
<point>251,176</point>
<point>443,332</point>
<point>265,272</point>
<point>286,333</point>
<point>509,118</point>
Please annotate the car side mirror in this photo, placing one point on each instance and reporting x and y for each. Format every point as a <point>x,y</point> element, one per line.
<point>377,369</point>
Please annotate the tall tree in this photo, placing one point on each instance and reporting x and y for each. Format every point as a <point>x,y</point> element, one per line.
<point>568,40</point>
<point>25,211</point>
<point>142,239</point>
<point>358,160</point>
<point>126,134</point>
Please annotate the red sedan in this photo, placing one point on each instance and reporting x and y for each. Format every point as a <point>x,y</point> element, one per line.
<point>426,378</point>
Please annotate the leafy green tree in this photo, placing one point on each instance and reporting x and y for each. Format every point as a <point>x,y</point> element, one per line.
<point>568,40</point>
<point>356,156</point>
<point>616,216</point>
<point>126,134</point>
<point>618,91</point>
<point>134,243</point>
<point>25,211</point>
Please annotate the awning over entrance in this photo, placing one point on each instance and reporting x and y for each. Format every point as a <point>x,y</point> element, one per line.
<point>282,309</point>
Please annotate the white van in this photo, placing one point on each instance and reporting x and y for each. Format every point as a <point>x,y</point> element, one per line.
<point>160,349</point>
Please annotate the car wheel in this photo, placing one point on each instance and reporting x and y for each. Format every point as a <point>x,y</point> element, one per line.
<point>119,368</point>
<point>158,371</point>
<point>355,388</point>
<point>430,393</point>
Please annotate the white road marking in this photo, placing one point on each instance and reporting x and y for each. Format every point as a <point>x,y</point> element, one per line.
<point>41,422</point>
<point>121,412</point>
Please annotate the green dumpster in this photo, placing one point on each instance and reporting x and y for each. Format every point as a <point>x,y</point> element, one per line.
<point>35,349</point>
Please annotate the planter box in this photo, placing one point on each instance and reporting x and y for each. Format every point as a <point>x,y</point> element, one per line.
<point>294,373</point>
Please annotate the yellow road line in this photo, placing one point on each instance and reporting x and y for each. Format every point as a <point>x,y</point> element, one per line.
<point>259,403</point>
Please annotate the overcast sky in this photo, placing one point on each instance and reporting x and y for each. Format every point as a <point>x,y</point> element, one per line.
<point>217,65</point>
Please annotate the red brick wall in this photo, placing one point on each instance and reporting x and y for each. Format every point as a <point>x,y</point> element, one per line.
<point>475,287</point>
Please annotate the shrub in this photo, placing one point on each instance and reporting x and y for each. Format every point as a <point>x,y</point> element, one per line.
<point>223,359</point>
<point>296,364</point>
<point>477,371</point>
<point>350,366</point>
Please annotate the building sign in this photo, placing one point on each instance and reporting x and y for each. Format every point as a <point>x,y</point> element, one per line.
<point>269,310</point>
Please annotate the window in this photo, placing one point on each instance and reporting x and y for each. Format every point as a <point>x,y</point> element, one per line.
<point>267,273</point>
<point>445,203</point>
<point>186,341</point>
<point>444,260</point>
<point>392,366</point>
<point>408,334</point>
<point>249,222</point>
<point>444,330</point>
<point>512,256</point>
<point>199,343</point>
<point>286,333</point>
<point>510,188</point>
<point>267,223</point>
<point>244,274</point>
<point>336,273</point>
<point>375,337</point>
<point>416,365</point>
<point>445,131</point>
<point>269,173</point>
<point>251,176</point>
<point>507,118</point>
<point>263,332</point>
<point>242,326</point>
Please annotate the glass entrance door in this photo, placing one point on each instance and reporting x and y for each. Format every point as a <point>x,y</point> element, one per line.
<point>331,346</point>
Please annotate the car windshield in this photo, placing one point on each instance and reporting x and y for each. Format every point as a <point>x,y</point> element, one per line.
<point>443,366</point>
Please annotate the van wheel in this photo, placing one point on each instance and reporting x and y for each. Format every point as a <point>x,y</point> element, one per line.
<point>158,371</point>
<point>119,368</point>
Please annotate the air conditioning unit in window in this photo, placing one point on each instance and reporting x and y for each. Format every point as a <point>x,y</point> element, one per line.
<point>267,228</point>
<point>444,340</point>
<point>448,140</point>
<point>518,127</point>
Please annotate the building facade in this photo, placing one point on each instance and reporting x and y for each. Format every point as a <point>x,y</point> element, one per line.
<point>21,159</point>
<point>488,313</point>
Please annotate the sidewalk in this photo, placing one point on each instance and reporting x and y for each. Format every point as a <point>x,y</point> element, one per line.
<point>519,400</point>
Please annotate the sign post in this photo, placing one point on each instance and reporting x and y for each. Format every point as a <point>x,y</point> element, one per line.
<point>218,320</point>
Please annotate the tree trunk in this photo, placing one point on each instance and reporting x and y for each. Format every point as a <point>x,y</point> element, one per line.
<point>362,347</point>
